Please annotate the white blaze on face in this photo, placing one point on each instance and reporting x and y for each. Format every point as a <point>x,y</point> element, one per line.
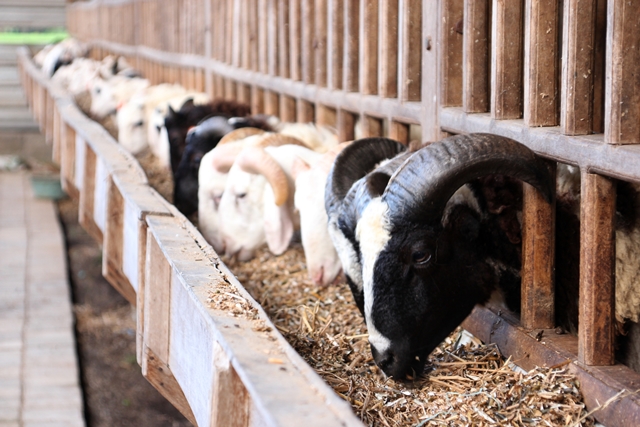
<point>373,233</point>
<point>346,253</point>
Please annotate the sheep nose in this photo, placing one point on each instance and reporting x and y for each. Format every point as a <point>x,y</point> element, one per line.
<point>317,278</point>
<point>385,360</point>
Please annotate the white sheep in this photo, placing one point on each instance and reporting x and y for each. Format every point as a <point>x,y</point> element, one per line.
<point>108,95</point>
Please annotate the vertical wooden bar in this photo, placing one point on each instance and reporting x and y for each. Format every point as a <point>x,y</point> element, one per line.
<point>335,44</point>
<point>326,116</point>
<point>263,63</point>
<point>295,40</point>
<point>320,42</point>
<point>257,100</point>
<point>346,124</point>
<point>388,70</point>
<point>541,63</point>
<point>87,196</point>
<point>245,31</point>
<point>67,161</point>
<point>283,38</point>
<point>475,56</point>
<point>244,93</point>
<point>271,103</point>
<point>368,47</point>
<point>577,74</point>
<point>622,104</point>
<point>57,134</point>
<point>287,108</point>
<point>308,32</point>
<point>506,60</point>
<point>411,50</point>
<point>599,66</point>
<point>597,269</point>
<point>272,37</point>
<point>229,9</point>
<point>451,39</point>
<point>351,45</point>
<point>305,112</point>
<point>231,401</point>
<point>538,259</point>
<point>371,126</point>
<point>253,34</point>
<point>399,131</point>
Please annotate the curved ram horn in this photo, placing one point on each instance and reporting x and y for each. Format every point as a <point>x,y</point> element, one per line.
<point>238,134</point>
<point>225,155</point>
<point>420,189</point>
<point>276,139</point>
<point>257,161</point>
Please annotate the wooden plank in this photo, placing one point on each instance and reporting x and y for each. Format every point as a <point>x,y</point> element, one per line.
<point>411,49</point>
<point>346,125</point>
<point>335,43</point>
<point>305,111</point>
<point>368,47</point>
<point>541,63</point>
<point>352,42</point>
<point>271,103</point>
<point>230,397</point>
<point>451,41</point>
<point>244,93</point>
<point>257,100</point>
<point>263,63</point>
<point>252,12</point>
<point>371,126</point>
<point>506,59</point>
<point>538,259</point>
<point>320,42</point>
<point>388,69</point>
<point>57,135</point>
<point>272,38</point>
<point>307,12</point>
<point>326,116</point>
<point>475,56</point>
<point>622,103</point>
<point>599,66</point>
<point>399,131</point>
<point>597,270</point>
<point>283,38</point>
<point>295,39</point>
<point>87,195</point>
<point>287,108</point>
<point>67,161</point>
<point>577,72</point>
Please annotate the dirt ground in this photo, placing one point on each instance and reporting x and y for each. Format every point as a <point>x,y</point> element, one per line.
<point>115,392</point>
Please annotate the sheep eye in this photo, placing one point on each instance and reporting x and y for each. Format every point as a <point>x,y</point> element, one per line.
<point>138,124</point>
<point>241,195</point>
<point>158,128</point>
<point>421,257</point>
<point>97,90</point>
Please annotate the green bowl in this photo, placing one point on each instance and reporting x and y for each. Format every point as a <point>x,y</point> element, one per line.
<point>47,187</point>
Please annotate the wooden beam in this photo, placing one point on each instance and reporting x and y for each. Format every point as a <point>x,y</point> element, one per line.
<point>597,270</point>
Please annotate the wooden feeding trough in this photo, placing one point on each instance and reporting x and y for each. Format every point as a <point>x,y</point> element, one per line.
<point>556,76</point>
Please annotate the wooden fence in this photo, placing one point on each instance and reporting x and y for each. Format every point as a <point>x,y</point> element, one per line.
<point>558,76</point>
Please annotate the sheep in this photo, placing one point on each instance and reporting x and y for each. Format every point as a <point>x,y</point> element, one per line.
<point>253,212</point>
<point>323,264</point>
<point>428,258</point>
<point>63,53</point>
<point>108,95</point>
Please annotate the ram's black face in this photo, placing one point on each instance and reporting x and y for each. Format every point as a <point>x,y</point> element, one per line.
<point>426,281</point>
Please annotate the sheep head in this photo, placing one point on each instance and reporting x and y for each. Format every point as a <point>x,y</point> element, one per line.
<point>426,261</point>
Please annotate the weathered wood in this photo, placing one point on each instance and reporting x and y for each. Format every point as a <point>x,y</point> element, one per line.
<point>597,269</point>
<point>371,126</point>
<point>411,49</point>
<point>335,43</point>
<point>230,397</point>
<point>451,40</point>
<point>271,103</point>
<point>368,47</point>
<point>295,39</point>
<point>305,111</point>
<point>272,38</point>
<point>257,100</point>
<point>388,69</point>
<point>346,126</point>
<point>599,66</point>
<point>538,259</point>
<point>57,135</point>
<point>577,73</point>
<point>283,38</point>
<point>307,14</point>
<point>506,59</point>
<point>622,102</point>
<point>67,161</point>
<point>326,116</point>
<point>541,63</point>
<point>287,108</point>
<point>475,56</point>
<point>399,131</point>
<point>87,195</point>
<point>352,43</point>
<point>320,42</point>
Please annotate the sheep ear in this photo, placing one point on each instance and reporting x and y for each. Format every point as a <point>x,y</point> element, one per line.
<point>170,113</point>
<point>377,182</point>
<point>278,224</point>
<point>298,167</point>
<point>188,104</point>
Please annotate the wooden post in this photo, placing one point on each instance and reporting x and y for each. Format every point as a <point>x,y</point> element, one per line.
<point>295,40</point>
<point>257,100</point>
<point>451,40</point>
<point>371,126</point>
<point>351,46</point>
<point>538,259</point>
<point>541,63</point>
<point>308,19</point>
<point>597,269</point>
<point>622,104</point>
<point>271,103</point>
<point>399,131</point>
<point>577,75</point>
<point>475,56</point>
<point>287,108</point>
<point>388,69</point>
<point>506,60</point>
<point>335,44</point>
<point>326,116</point>
<point>320,42</point>
<point>230,397</point>
<point>67,161</point>
<point>411,50</point>
<point>87,196</point>
<point>346,123</point>
<point>368,47</point>
<point>305,111</point>
<point>283,38</point>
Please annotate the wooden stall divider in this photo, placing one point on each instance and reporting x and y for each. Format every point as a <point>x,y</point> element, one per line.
<point>271,103</point>
<point>506,59</point>
<point>257,100</point>
<point>87,195</point>
<point>282,29</point>
<point>368,57</point>
<point>320,42</point>
<point>351,39</point>
<point>597,270</point>
<point>307,54</point>
<point>326,116</point>
<point>452,52</point>
<point>305,111</point>
<point>295,40</point>
<point>399,131</point>
<point>57,135</point>
<point>272,38</point>
<point>371,126</point>
<point>287,108</point>
<point>388,55</point>
<point>410,66</point>
<point>336,44</point>
<point>538,259</point>
<point>576,117</point>
<point>541,91</point>
<point>67,161</point>
<point>346,126</point>
<point>475,56</point>
<point>622,102</point>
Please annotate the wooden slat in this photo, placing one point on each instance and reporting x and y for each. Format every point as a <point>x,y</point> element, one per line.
<point>541,63</point>
<point>388,70</point>
<point>230,397</point>
<point>399,131</point>
<point>622,105</point>
<point>371,126</point>
<point>368,57</point>
<point>67,161</point>
<point>272,38</point>
<point>506,60</point>
<point>597,267</point>
<point>320,42</point>
<point>599,67</point>
<point>257,100</point>
<point>87,196</point>
<point>538,259</point>
<point>351,46</point>
<point>475,57</point>
<point>308,19</point>
<point>577,73</point>
<point>271,103</point>
<point>305,111</point>
<point>263,29</point>
<point>295,39</point>
<point>283,38</point>
<point>411,49</point>
<point>326,116</point>
<point>451,40</point>
<point>287,108</point>
<point>335,44</point>
<point>346,125</point>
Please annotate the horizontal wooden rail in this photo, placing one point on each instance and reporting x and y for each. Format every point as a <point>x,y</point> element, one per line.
<point>217,367</point>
